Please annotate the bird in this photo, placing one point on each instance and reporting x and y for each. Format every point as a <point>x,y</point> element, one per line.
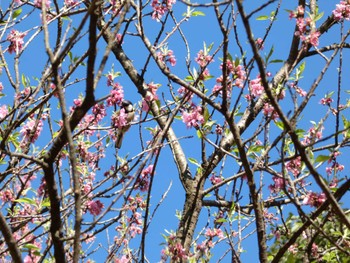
<point>130,111</point>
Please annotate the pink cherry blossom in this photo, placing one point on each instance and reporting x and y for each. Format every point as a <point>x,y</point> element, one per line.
<point>326,101</point>
<point>7,196</point>
<point>259,43</point>
<point>184,92</point>
<point>294,166</point>
<point>314,199</point>
<point>16,41</point>
<point>269,111</point>
<point>178,252</point>
<point>119,119</point>
<point>152,94</point>
<point>342,11</point>
<point>312,38</point>
<point>77,102</point>
<point>217,89</point>
<point>116,95</point>
<point>95,207</point>
<point>99,112</point>
<point>215,179</point>
<point>203,59</point>
<point>142,181</point>
<point>39,3</point>
<point>3,112</point>
<point>193,117</point>
<point>71,3</point>
<point>215,232</point>
<point>279,184</point>
<point>293,249</point>
<point>334,168</point>
<point>161,7</point>
<point>123,259</point>
<point>148,171</point>
<point>31,130</point>
<point>256,87</point>
<point>269,217</point>
<point>166,55</point>
<point>298,90</point>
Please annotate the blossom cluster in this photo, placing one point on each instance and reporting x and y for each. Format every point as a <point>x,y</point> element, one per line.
<point>3,112</point>
<point>342,11</point>
<point>203,59</point>
<point>130,224</point>
<point>16,41</point>
<point>313,134</point>
<point>182,91</point>
<point>256,88</point>
<point>161,7</point>
<point>142,181</point>
<point>237,78</point>
<point>334,168</point>
<point>314,199</point>
<point>98,113</point>
<point>119,119</point>
<point>174,250</point>
<point>294,166</point>
<point>269,111</point>
<point>298,90</point>
<point>40,3</point>
<point>279,184</point>
<point>31,130</point>
<point>94,207</point>
<point>71,3</point>
<point>193,117</point>
<point>151,95</point>
<point>166,55</point>
<point>306,34</point>
<point>117,93</point>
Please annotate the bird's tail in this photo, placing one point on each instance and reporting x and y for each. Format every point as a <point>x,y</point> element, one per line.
<point>119,140</point>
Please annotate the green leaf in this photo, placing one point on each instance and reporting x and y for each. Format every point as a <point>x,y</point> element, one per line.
<point>329,95</point>
<point>273,15</point>
<point>221,220</point>
<point>277,61</point>
<point>31,247</point>
<point>197,13</point>
<point>300,71</point>
<point>189,79</point>
<point>26,200</point>
<point>262,18</point>
<point>346,126</point>
<point>237,62</point>
<point>70,55</point>
<point>194,161</point>
<point>300,133</point>
<point>256,148</point>
<point>206,115</point>
<point>322,158</point>
<point>199,134</point>
<point>269,55</point>
<point>210,47</point>
<point>280,125</point>
<point>209,124</point>
<point>318,16</point>
<point>16,13</point>
<point>24,81</point>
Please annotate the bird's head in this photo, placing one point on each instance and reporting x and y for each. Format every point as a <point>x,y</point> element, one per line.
<point>127,106</point>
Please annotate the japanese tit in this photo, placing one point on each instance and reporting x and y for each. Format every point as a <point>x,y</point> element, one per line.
<point>129,110</point>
